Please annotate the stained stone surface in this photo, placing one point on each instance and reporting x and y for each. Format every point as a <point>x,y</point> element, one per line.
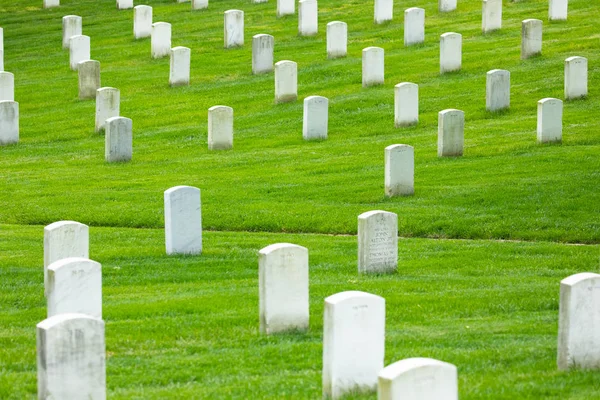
<point>108,105</point>
<point>262,53</point>
<point>377,242</point>
<point>451,133</point>
<point>233,28</point>
<point>531,38</point>
<point>72,26</point>
<point>89,78</point>
<point>9,122</point>
<point>199,4</point>
<point>491,19</point>
<point>497,90</point>
<point>7,86</point>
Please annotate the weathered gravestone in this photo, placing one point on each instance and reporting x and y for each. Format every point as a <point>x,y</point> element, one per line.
<point>199,4</point>
<point>315,118</point>
<point>1,49</point>
<point>557,10</point>
<point>372,66</point>
<point>399,170</point>
<point>576,77</point>
<point>406,104</point>
<point>124,4</point>
<point>79,50</point>
<point>531,38</point>
<point>491,19</point>
<point>308,17</point>
<point>51,3</point>
<point>9,122</point>
<point>286,7</point>
<point>7,86</point>
<point>337,39</point>
<point>451,133</point>
<point>286,81</point>
<point>283,288</point>
<point>446,5</point>
<point>142,22</point>
<point>183,220</point>
<point>414,26</point>
<point>89,78</point>
<point>220,128</point>
<point>262,53</point>
<point>549,120</point>
<point>353,343</point>
<point>450,52</point>
<point>384,11</point>
<point>118,139</point>
<point>377,242</point>
<point>179,74</point>
<point>497,90</point>
<point>72,26</point>
<point>108,105</point>
<point>160,41</point>
<point>233,28</point>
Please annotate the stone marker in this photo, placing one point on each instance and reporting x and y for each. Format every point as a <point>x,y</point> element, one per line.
<point>418,379</point>
<point>108,105</point>
<point>378,241</point>
<point>384,11</point>
<point>183,220</point>
<point>179,74</point>
<point>258,1</point>
<point>124,4</point>
<point>7,86</point>
<point>234,28</point>
<point>451,133</point>
<point>142,22</point>
<point>578,322</point>
<point>557,10</point>
<point>308,17</point>
<point>549,120</point>
<point>286,81</point>
<point>353,342</point>
<point>71,358</point>
<point>220,128</point>
<point>51,3</point>
<point>262,53</point>
<point>283,288</point>
<point>491,15</point>
<point>9,122</point>
<point>576,77</point>
<point>72,26</point>
<point>450,52</point>
<point>414,26</point>
<point>372,66</point>
<point>286,7</point>
<point>75,286</point>
<point>337,39</point>
<point>406,104</point>
<point>118,140</point>
<point>446,5</point>
<point>531,38</point>
<point>315,119</point>
<point>399,170</point>
<point>1,49</point>
<point>199,4</point>
<point>497,90</point>
<point>160,41</point>
<point>79,50</point>
<point>89,78</point>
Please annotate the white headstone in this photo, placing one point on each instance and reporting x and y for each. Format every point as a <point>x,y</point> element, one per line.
<point>578,322</point>
<point>1,49</point>
<point>286,81</point>
<point>497,90</point>
<point>72,26</point>
<point>414,26</point>
<point>377,241</point>
<point>399,170</point>
<point>160,39</point>
<point>286,7</point>
<point>118,140</point>
<point>183,220</point>
<point>199,4</point>
<point>262,53</point>
<point>234,28</point>
<point>549,120</point>
<point>283,288</point>
<point>531,38</point>
<point>384,11</point>
<point>79,50</point>
<point>51,3</point>
<point>7,86</point>
<point>75,286</point>
<point>451,133</point>
<point>180,66</point>
<point>557,10</point>
<point>71,358</point>
<point>372,66</point>
<point>491,15</point>
<point>450,52</point>
<point>308,17</point>
<point>220,128</point>
<point>353,343</point>
<point>576,77</point>
<point>108,105</point>
<point>9,122</point>
<point>89,78</point>
<point>124,4</point>
<point>142,22</point>
<point>406,104</point>
<point>418,379</point>
<point>315,119</point>
<point>337,39</point>
<point>446,5</point>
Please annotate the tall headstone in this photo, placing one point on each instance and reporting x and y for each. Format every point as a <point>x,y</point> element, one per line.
<point>578,322</point>
<point>451,133</point>
<point>497,90</point>
<point>199,4</point>
<point>353,342</point>
<point>283,288</point>
<point>491,15</point>
<point>7,86</point>
<point>75,286</point>
<point>118,139</point>
<point>124,4</point>
<point>262,53</point>
<point>372,66</point>
<point>160,41</point>
<point>414,26</point>
<point>1,49</point>
<point>79,50</point>
<point>179,74</point>
<point>450,52</point>
<point>384,11</point>
<point>234,28</point>
<point>406,104</point>
<point>308,17</point>
<point>9,122</point>
<point>108,105</point>
<point>399,170</point>
<point>557,10</point>
<point>377,242</point>
<point>549,120</point>
<point>446,5</point>
<point>183,220</point>
<point>418,379</point>
<point>220,128</point>
<point>142,22</point>
<point>89,78</point>
<point>72,26</point>
<point>576,77</point>
<point>71,359</point>
<point>531,38</point>
<point>51,3</point>
<point>286,81</point>
<point>315,119</point>
<point>337,39</point>
<point>286,7</point>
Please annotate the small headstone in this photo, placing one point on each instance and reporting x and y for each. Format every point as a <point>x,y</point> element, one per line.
<point>1,49</point>
<point>142,22</point>
<point>51,3</point>
<point>337,39</point>
<point>108,105</point>
<point>160,41</point>
<point>549,120</point>
<point>418,379</point>
<point>118,139</point>
<point>406,104</point>
<point>286,7</point>
<point>315,120</point>
<point>450,52</point>
<point>557,10</point>
<point>199,4</point>
<point>183,220</point>
<point>259,1</point>
<point>578,322</point>
<point>377,241</point>
<point>286,81</point>
<point>9,122</point>
<point>89,78</point>
<point>308,17</point>
<point>491,15</point>
<point>180,66</point>
<point>283,288</point>
<point>75,286</point>
<point>79,50</point>
<point>220,128</point>
<point>451,133</point>
<point>399,170</point>
<point>372,66</point>
<point>531,38</point>
<point>576,77</point>
<point>72,26</point>
<point>353,343</point>
<point>446,5</point>
<point>124,4</point>
<point>414,26</point>
<point>497,90</point>
<point>262,53</point>
<point>71,359</point>
<point>384,11</point>
<point>7,86</point>
<point>234,28</point>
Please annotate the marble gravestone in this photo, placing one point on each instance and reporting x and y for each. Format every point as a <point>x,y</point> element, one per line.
<point>1,49</point>
<point>286,7</point>
<point>220,128</point>
<point>384,11</point>
<point>491,19</point>
<point>180,60</point>
<point>108,105</point>
<point>233,28</point>
<point>406,104</point>
<point>142,22</point>
<point>199,4</point>
<point>79,50</point>
<point>576,77</point>
<point>557,10</point>
<point>549,120</point>
<point>89,78</point>
<point>9,122</point>
<point>118,139</point>
<point>414,26</point>
<point>372,66</point>
<point>315,118</point>
<point>286,81</point>
<point>160,41</point>
<point>72,26</point>
<point>51,3</point>
<point>399,170</point>
<point>451,133</point>
<point>308,17</point>
<point>183,220</point>
<point>7,86</point>
<point>446,5</point>
<point>124,4</point>
<point>497,90</point>
<point>377,242</point>
<point>450,52</point>
<point>337,39</point>
<point>531,38</point>
<point>262,53</point>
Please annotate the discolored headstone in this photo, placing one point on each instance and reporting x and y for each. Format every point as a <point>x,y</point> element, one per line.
<point>497,90</point>
<point>451,133</point>
<point>233,28</point>
<point>262,53</point>
<point>89,78</point>
<point>377,242</point>
<point>491,19</point>
<point>531,38</point>
<point>9,122</point>
<point>108,105</point>
<point>7,86</point>
<point>72,26</point>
